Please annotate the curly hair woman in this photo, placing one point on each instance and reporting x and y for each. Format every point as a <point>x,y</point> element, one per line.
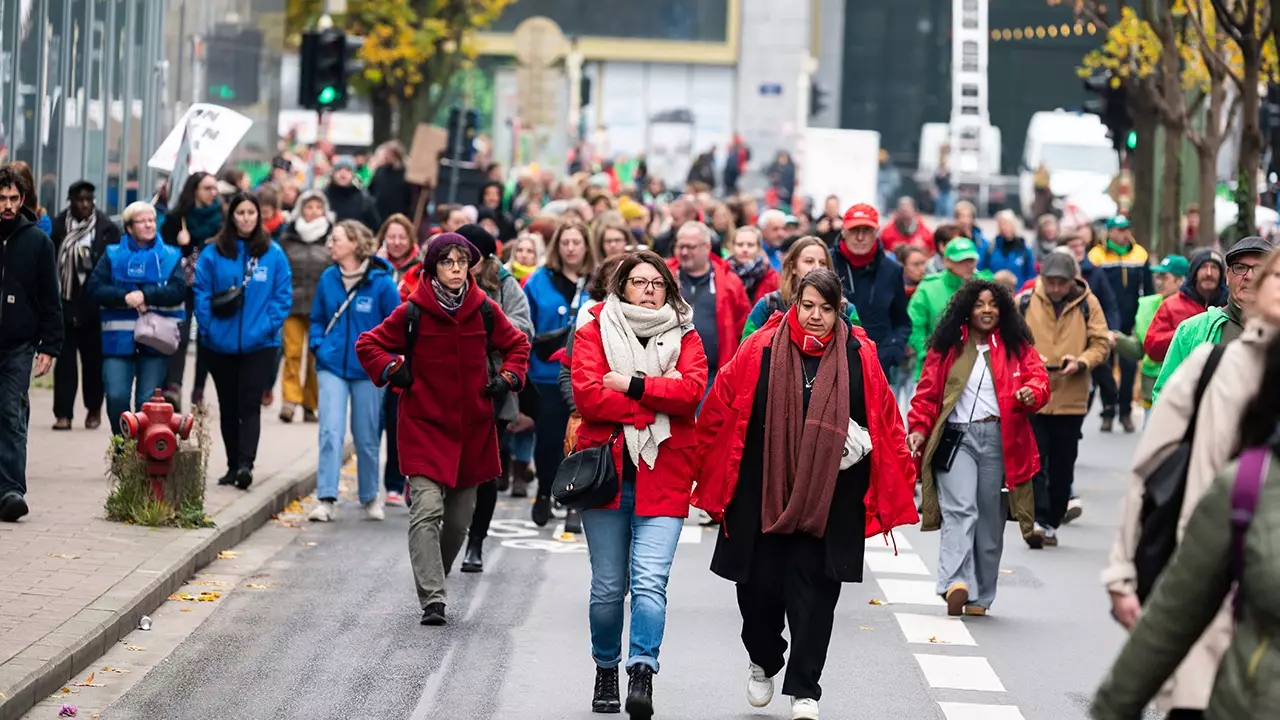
<point>970,425</point>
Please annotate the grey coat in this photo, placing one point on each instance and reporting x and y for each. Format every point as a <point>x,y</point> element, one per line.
<point>511,298</point>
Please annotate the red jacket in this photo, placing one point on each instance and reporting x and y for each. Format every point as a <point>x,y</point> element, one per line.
<point>1021,458</point>
<point>722,433</point>
<point>770,282</point>
<point>1172,311</point>
<point>732,306</point>
<point>445,423</point>
<point>662,491</point>
<point>892,236</point>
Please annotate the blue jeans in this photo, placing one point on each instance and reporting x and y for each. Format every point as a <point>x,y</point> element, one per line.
<point>622,543</point>
<point>366,429</point>
<point>520,445</point>
<point>119,376</point>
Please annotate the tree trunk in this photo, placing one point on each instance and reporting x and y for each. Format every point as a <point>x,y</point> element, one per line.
<point>1142,166</point>
<point>1168,239</point>
<point>382,111</point>
<point>1207,169</point>
<point>1250,145</point>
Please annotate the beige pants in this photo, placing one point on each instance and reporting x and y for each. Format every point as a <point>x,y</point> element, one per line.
<point>438,524</point>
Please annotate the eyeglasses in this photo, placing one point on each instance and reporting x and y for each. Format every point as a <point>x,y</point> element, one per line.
<point>1242,269</point>
<point>450,263</point>
<point>641,283</point>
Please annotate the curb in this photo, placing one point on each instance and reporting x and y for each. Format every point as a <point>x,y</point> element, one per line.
<point>80,641</point>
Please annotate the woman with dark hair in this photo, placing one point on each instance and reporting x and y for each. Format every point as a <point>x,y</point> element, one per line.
<point>969,421</point>
<point>31,198</point>
<point>639,372</point>
<point>243,293</point>
<point>190,223</point>
<point>807,254</point>
<point>305,241</point>
<point>801,456</point>
<point>491,198</point>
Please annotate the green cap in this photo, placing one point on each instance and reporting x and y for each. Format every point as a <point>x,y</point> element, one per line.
<point>1119,222</point>
<point>1173,265</point>
<point>961,249</point>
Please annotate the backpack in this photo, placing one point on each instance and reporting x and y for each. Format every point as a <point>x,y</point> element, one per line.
<point>1024,302</point>
<point>1163,493</point>
<point>1251,473</point>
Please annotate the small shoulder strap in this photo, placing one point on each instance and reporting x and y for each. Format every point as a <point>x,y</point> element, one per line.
<point>1024,302</point>
<point>1251,473</point>
<point>412,321</point>
<point>1202,386</point>
<point>486,314</point>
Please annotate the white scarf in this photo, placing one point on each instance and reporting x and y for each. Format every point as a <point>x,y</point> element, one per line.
<point>74,257</point>
<point>312,231</point>
<point>621,326</point>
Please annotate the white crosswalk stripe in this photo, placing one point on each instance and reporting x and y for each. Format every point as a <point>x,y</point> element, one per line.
<point>970,711</point>
<point>959,673</point>
<point>934,630</point>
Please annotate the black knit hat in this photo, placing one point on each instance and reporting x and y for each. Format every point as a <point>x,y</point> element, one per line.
<point>440,245</point>
<point>480,237</point>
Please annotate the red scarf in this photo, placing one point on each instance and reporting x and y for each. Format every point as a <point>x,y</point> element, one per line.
<point>807,342</point>
<point>858,261</point>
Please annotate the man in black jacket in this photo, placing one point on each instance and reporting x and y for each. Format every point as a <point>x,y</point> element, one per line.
<point>81,234</point>
<point>872,283</point>
<point>348,200</point>
<point>30,328</point>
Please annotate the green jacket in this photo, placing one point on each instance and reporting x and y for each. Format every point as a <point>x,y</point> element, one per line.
<point>1191,333</point>
<point>927,305</point>
<point>1147,306</point>
<point>1190,592</point>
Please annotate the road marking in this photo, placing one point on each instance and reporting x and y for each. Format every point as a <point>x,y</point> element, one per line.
<point>909,592</point>
<point>931,629</point>
<point>690,535</point>
<point>959,673</point>
<point>900,564</point>
<point>968,711</point>
<point>486,580</point>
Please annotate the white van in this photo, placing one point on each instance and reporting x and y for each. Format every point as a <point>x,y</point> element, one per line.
<point>1075,149</point>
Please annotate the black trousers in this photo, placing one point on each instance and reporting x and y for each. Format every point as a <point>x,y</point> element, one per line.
<point>788,582</point>
<point>1180,714</point>
<point>487,496</point>
<point>1114,398</point>
<point>1058,439</point>
<point>392,478</point>
<point>178,360</point>
<point>83,337</point>
<point>240,381</point>
<point>548,448</point>
<point>15,416</point>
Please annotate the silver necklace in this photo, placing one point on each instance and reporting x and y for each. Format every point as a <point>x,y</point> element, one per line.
<point>808,384</point>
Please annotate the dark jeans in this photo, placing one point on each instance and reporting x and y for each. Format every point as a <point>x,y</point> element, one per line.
<point>120,375</point>
<point>788,582</point>
<point>392,478</point>
<point>1058,438</point>
<point>1113,397</point>
<point>1180,714</point>
<point>83,337</point>
<point>240,381</point>
<point>178,360</point>
<point>15,414</point>
<point>487,497</point>
<point>548,448</point>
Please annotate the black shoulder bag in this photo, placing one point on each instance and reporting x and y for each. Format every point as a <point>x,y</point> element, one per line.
<point>587,478</point>
<point>227,303</point>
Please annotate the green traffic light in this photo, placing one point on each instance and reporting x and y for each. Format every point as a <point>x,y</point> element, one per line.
<point>328,95</point>
<point>1132,141</point>
<point>224,92</point>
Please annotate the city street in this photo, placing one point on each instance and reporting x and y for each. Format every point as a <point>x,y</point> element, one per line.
<point>321,621</point>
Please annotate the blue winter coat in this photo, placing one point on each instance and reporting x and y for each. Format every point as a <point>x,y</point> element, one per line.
<point>375,297</point>
<point>880,298</point>
<point>156,270</point>
<point>1012,255</point>
<point>268,296</point>
<point>1100,286</point>
<point>550,312</point>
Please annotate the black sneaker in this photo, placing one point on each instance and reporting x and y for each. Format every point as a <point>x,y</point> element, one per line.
<point>228,479</point>
<point>573,522</point>
<point>12,507</point>
<point>640,693</point>
<point>542,511</point>
<point>244,478</point>
<point>434,614</point>
<point>605,699</point>
<point>1107,425</point>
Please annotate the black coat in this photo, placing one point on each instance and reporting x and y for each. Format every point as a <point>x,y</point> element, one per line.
<point>352,203</point>
<point>30,307</point>
<point>105,234</point>
<point>391,193</point>
<point>845,538</point>
<point>879,295</point>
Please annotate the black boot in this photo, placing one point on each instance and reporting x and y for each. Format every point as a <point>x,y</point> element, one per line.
<point>473,560</point>
<point>605,700</point>
<point>228,479</point>
<point>504,480</point>
<point>640,693</point>
<point>244,478</point>
<point>573,522</point>
<point>542,511</point>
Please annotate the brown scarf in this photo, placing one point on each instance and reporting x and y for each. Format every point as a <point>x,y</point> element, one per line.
<point>802,451</point>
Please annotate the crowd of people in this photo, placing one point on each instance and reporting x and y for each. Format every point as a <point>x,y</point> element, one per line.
<point>790,372</point>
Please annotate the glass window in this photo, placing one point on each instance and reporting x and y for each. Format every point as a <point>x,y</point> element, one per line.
<point>29,68</point>
<point>8,19</point>
<point>700,20</point>
<point>54,104</point>
<point>74,98</point>
<point>95,125</point>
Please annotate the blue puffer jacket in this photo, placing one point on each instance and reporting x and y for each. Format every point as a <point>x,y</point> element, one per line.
<point>376,296</point>
<point>1012,255</point>
<point>268,296</point>
<point>156,270</point>
<point>549,312</point>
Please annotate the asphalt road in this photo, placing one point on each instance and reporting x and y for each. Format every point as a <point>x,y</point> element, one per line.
<point>330,630</point>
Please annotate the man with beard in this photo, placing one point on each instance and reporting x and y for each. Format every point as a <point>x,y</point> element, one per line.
<point>30,329</point>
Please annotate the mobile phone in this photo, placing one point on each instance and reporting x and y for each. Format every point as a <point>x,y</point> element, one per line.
<point>1053,368</point>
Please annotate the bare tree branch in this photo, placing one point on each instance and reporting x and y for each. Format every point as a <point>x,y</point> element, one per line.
<point>1227,20</point>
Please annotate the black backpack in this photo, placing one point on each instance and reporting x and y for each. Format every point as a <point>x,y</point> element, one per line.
<point>1163,493</point>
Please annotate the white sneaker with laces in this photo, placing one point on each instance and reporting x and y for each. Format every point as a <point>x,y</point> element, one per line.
<point>373,511</point>
<point>759,687</point>
<point>324,511</point>
<point>804,709</point>
<point>1074,510</point>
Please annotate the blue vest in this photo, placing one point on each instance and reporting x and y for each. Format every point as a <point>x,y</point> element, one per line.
<point>153,266</point>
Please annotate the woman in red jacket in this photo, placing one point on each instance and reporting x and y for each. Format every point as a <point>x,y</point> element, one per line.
<point>446,428</point>
<point>795,509</point>
<point>982,379</point>
<point>638,374</point>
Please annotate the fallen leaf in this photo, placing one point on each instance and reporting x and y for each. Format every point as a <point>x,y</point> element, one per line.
<point>209,596</point>
<point>874,601</point>
<point>64,556</point>
<point>211,583</point>
<point>308,544</point>
<point>1005,572</point>
<point>257,586</point>
<point>864,627</point>
<point>134,648</point>
<point>185,610</point>
<point>228,555</point>
<point>939,642</point>
<point>567,537</point>
<point>108,668</point>
<point>181,596</point>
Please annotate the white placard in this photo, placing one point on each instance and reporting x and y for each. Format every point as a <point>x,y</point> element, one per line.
<point>844,163</point>
<point>213,132</point>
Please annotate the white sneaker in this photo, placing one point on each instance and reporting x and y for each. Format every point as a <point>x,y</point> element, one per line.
<point>759,687</point>
<point>1074,510</point>
<point>804,709</point>
<point>373,511</point>
<point>324,511</point>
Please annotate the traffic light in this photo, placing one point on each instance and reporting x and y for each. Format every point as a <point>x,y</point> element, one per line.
<point>328,59</point>
<point>469,124</point>
<point>1110,102</point>
<point>584,91</point>
<point>817,99</point>
<point>234,55</point>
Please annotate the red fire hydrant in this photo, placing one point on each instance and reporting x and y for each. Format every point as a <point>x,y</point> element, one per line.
<point>157,430</point>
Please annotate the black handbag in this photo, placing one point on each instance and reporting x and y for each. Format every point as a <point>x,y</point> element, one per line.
<point>588,478</point>
<point>227,303</point>
<point>944,455</point>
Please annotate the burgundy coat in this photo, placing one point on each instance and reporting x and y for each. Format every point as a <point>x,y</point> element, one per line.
<point>446,424</point>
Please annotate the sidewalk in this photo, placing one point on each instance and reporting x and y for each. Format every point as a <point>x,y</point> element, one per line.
<point>73,583</point>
